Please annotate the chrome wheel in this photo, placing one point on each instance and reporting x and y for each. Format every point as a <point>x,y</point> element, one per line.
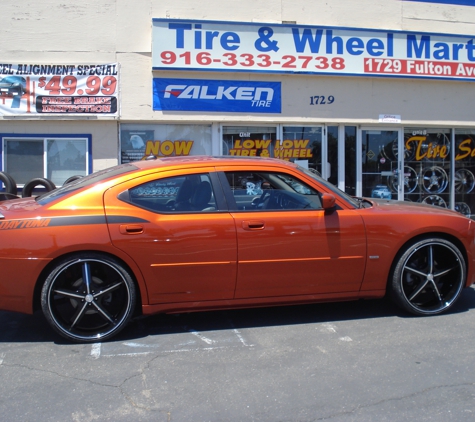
<point>88,297</point>
<point>464,181</point>
<point>434,179</point>
<point>463,208</point>
<point>435,200</point>
<point>428,277</point>
<point>409,152</point>
<point>410,180</point>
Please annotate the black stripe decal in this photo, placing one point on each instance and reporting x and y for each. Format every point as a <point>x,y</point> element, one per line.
<point>81,220</point>
<point>117,219</point>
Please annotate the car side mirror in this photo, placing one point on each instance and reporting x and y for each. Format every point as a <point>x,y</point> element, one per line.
<point>328,202</point>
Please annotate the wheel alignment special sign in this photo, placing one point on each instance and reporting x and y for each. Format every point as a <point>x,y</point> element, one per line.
<point>216,95</point>
<point>288,48</point>
<point>59,89</point>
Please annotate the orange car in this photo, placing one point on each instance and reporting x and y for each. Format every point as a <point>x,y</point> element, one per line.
<point>201,233</point>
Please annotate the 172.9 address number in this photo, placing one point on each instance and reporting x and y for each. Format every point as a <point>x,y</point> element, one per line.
<point>321,99</point>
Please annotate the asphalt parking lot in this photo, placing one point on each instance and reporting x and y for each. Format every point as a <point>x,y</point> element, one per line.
<point>353,361</point>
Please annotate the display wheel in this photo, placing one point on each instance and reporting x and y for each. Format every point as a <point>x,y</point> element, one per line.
<point>410,180</point>
<point>435,200</point>
<point>408,153</point>
<point>463,208</point>
<point>464,181</point>
<point>434,179</point>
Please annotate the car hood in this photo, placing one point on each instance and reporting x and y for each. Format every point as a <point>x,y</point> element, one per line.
<point>406,207</point>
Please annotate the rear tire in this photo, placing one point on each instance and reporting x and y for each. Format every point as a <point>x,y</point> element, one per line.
<point>38,181</point>
<point>9,182</point>
<point>72,179</point>
<point>428,277</point>
<point>88,297</point>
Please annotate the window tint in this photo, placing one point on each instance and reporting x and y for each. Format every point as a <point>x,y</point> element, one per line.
<point>255,191</point>
<point>192,193</point>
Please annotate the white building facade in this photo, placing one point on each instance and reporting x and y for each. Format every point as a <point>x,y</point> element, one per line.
<point>375,95</point>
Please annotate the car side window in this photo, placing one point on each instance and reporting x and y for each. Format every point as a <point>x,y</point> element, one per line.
<point>256,191</point>
<point>190,193</point>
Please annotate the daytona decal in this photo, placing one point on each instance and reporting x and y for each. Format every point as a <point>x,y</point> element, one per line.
<point>25,224</point>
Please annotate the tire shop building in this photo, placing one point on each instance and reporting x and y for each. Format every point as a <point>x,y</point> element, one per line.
<point>377,95</point>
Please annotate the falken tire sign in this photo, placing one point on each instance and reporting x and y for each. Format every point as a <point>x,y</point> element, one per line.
<point>216,95</point>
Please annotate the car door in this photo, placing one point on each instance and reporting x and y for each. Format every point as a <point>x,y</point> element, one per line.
<point>183,243</point>
<point>287,244</point>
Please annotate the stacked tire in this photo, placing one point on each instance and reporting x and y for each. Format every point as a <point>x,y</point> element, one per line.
<point>11,189</point>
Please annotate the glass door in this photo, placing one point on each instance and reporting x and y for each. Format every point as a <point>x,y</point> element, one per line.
<point>379,164</point>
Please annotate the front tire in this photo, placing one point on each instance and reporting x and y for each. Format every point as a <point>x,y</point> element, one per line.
<point>88,297</point>
<point>428,277</point>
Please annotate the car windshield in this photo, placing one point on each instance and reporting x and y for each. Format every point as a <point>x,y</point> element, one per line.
<point>331,187</point>
<point>85,181</point>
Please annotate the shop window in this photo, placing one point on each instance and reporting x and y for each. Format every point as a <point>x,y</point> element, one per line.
<point>379,163</point>
<point>249,141</point>
<point>268,191</point>
<point>426,166</point>
<point>140,141</point>
<point>332,142</point>
<point>350,160</point>
<point>302,144</point>
<point>464,172</point>
<point>56,158</point>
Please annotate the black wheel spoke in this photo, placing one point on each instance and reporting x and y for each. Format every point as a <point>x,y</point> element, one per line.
<point>67,293</point>
<point>446,271</point>
<point>108,290</point>
<point>86,276</point>
<point>415,271</point>
<point>436,290</point>
<point>418,290</point>
<point>79,314</point>
<point>103,313</point>
<point>430,259</point>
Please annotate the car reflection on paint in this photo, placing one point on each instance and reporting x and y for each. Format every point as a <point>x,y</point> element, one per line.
<point>183,234</point>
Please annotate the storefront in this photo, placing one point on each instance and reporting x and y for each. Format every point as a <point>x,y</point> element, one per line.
<point>378,112</point>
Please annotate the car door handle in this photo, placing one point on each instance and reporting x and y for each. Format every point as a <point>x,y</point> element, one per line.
<point>253,225</point>
<point>131,229</point>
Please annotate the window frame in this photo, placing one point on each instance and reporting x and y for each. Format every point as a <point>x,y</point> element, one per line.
<point>44,138</point>
<point>217,194</point>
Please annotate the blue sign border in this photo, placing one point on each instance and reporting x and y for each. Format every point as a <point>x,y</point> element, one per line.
<point>224,96</point>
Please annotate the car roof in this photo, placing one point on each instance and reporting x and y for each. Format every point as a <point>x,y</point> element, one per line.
<point>206,160</point>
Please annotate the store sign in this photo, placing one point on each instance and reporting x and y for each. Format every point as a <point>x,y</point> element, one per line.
<point>389,118</point>
<point>27,89</point>
<point>287,48</point>
<point>286,150</point>
<point>216,95</point>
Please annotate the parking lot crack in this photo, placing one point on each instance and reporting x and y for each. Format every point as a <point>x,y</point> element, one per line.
<point>58,374</point>
<point>380,402</point>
